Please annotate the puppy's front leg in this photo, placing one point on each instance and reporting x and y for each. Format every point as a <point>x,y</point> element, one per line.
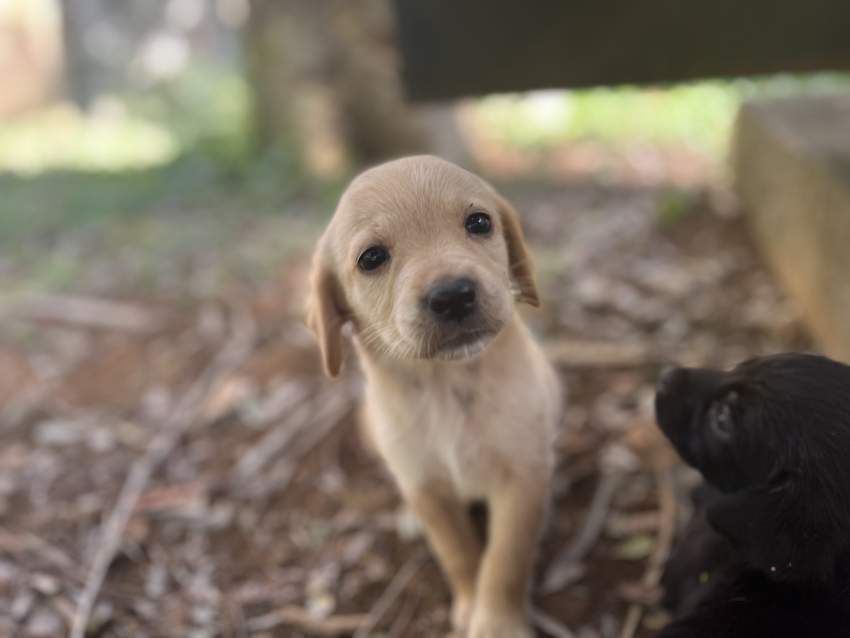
<point>453,539</point>
<point>516,518</point>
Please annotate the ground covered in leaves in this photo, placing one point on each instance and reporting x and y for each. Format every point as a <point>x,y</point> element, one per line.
<point>172,462</point>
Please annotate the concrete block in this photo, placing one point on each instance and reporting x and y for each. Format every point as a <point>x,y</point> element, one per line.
<point>791,163</point>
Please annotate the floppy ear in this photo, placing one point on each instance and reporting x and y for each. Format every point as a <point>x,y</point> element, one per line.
<point>522,269</point>
<point>785,540</point>
<point>325,313</point>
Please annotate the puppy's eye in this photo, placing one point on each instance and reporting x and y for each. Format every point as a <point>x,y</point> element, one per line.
<point>478,224</point>
<point>372,258</point>
<point>720,416</point>
<point>779,480</point>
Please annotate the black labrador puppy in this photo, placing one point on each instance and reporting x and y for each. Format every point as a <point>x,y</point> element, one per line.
<point>768,551</point>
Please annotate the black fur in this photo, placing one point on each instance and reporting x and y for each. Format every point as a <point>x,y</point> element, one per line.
<point>768,551</point>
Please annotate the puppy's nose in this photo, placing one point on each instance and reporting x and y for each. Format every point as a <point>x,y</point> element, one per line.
<point>665,379</point>
<point>452,300</point>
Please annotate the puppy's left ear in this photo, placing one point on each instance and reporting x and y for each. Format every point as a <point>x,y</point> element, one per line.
<point>519,258</point>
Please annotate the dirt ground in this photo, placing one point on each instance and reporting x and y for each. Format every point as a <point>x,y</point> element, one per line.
<point>251,507</point>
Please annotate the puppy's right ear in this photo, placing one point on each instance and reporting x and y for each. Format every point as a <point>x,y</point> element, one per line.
<point>326,312</point>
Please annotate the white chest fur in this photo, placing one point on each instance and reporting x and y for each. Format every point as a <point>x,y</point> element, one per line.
<point>469,424</point>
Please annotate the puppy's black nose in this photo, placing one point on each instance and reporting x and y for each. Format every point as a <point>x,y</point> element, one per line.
<point>665,379</point>
<point>452,300</point>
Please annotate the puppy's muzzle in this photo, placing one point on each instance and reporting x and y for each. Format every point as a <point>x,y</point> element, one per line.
<point>673,400</point>
<point>452,300</point>
<point>666,379</point>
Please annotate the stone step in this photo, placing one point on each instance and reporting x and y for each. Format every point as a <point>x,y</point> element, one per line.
<point>791,163</point>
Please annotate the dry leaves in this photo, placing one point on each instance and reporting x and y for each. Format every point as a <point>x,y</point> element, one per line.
<point>264,514</point>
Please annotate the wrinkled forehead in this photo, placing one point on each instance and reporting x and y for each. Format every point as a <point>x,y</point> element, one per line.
<point>392,201</point>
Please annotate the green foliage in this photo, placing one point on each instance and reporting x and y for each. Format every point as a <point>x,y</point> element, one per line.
<point>184,145</point>
<point>61,138</point>
<point>38,206</point>
<point>206,111</point>
<point>187,145</point>
<point>699,115</point>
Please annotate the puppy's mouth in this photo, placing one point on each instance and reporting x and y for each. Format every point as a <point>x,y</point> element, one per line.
<point>465,345</point>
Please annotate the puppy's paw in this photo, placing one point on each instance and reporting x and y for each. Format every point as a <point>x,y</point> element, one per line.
<point>461,613</point>
<point>488,624</point>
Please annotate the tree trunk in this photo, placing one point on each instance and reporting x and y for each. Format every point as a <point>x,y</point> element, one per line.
<point>81,72</point>
<point>325,78</point>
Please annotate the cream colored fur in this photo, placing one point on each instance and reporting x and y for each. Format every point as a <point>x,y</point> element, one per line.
<point>453,424</point>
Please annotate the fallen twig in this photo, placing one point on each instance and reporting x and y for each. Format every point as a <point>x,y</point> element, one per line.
<point>17,543</point>
<point>550,625</point>
<point>565,566</point>
<point>620,525</point>
<point>666,530</point>
<point>325,421</point>
<point>303,620</point>
<point>179,422</point>
<point>320,412</point>
<point>402,620</point>
<point>393,591</point>
<point>572,353</point>
<point>83,311</point>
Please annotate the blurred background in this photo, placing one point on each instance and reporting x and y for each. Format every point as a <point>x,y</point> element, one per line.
<point>172,463</point>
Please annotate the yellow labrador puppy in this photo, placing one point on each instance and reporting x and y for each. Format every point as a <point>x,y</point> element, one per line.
<point>425,261</point>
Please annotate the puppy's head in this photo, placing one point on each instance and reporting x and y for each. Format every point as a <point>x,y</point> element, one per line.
<point>774,435</point>
<point>424,259</point>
